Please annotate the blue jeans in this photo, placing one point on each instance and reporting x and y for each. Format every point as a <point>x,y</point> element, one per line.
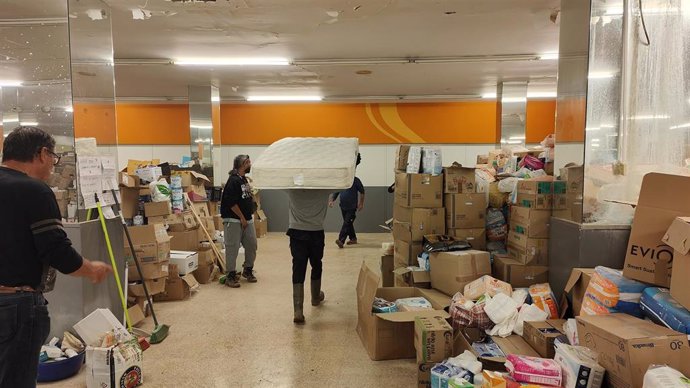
<point>24,328</point>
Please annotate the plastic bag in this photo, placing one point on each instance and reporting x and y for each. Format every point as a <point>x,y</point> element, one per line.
<point>534,370</point>
<point>549,141</point>
<point>496,225</point>
<point>570,330</point>
<point>502,310</point>
<point>381,305</point>
<point>531,163</point>
<point>610,292</point>
<point>160,191</point>
<point>508,185</point>
<point>662,376</point>
<point>529,313</point>
<point>432,161</point>
<point>659,307</point>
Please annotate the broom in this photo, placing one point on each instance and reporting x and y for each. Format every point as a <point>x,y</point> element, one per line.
<point>160,332</point>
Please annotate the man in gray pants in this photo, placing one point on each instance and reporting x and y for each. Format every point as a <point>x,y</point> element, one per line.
<point>307,240</point>
<point>236,208</point>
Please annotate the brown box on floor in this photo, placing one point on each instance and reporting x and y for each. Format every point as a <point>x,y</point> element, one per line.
<point>532,251</point>
<point>662,198</point>
<point>387,267</point>
<point>465,210</point>
<point>390,336</point>
<point>677,237</point>
<point>177,287</point>
<point>532,223</point>
<point>451,271</point>
<point>627,346</point>
<point>458,179</point>
<point>433,339</point>
<point>513,344</point>
<point>406,277</point>
<point>151,243</point>
<point>475,237</point>
<point>182,222</point>
<point>148,270</point>
<point>154,286</point>
<point>405,253</point>
<point>575,289</point>
<point>424,374</point>
<point>260,224</point>
<point>541,335</point>
<point>157,209</point>
<point>413,224</point>
<point>517,274</point>
<point>418,190</point>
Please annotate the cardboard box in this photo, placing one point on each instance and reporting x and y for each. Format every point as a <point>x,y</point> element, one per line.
<point>451,271</point>
<point>513,344</point>
<point>416,223</point>
<point>475,237</point>
<point>541,335</point>
<point>407,277</point>
<point>204,273</point>
<point>534,186</point>
<point>206,256</point>
<point>517,274</point>
<point>677,238</point>
<point>185,241</point>
<point>151,243</point>
<point>149,174</point>
<point>405,253</point>
<point>260,224</point>
<point>530,222</point>
<point>154,286</point>
<point>218,222</point>
<point>418,190</point>
<point>390,336</point>
<point>458,179</point>
<point>575,289</point>
<point>433,339</point>
<point>387,267</point>
<point>424,374</point>
<point>574,176</point>
<point>186,262</point>
<point>177,287</point>
<point>532,251</point>
<point>627,346</point>
<point>465,210</point>
<point>663,197</point>
<point>401,154</point>
<point>157,209</point>
<point>148,270</point>
<point>136,315</point>
<point>192,178</point>
<point>197,194</point>
<point>535,201</point>
<point>115,366</point>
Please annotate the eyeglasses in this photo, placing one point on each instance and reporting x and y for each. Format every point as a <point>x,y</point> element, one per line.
<point>56,157</point>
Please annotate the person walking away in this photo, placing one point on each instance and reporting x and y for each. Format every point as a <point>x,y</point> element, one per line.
<point>32,240</point>
<point>236,208</point>
<point>307,213</point>
<point>351,202</point>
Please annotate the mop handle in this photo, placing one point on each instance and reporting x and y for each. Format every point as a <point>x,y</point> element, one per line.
<point>112,262</point>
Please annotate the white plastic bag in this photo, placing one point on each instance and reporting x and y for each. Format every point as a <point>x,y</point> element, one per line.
<point>502,310</point>
<point>508,185</point>
<point>160,190</point>
<point>529,313</point>
<point>662,376</point>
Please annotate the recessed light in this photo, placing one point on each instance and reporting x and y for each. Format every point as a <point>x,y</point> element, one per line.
<point>548,56</point>
<point>232,62</point>
<point>650,117</point>
<point>600,75</point>
<point>284,98</point>
<point>28,123</point>
<point>10,83</point>
<point>686,125</point>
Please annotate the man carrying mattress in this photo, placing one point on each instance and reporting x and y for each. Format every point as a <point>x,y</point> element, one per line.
<point>236,208</point>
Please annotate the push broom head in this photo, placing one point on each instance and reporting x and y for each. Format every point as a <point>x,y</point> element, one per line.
<point>160,332</point>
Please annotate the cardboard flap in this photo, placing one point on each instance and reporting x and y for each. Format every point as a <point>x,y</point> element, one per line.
<point>191,281</point>
<point>199,176</point>
<point>655,192</point>
<point>678,235</point>
<point>367,284</point>
<point>575,276</point>
<point>438,299</point>
<point>421,276</point>
<point>409,316</point>
<point>401,271</point>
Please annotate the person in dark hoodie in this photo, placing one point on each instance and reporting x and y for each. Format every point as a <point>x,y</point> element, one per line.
<point>236,208</point>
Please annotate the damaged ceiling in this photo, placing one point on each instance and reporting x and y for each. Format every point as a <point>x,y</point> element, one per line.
<point>317,35</point>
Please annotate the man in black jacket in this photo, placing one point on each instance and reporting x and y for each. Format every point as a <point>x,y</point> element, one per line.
<point>236,208</point>
<point>32,240</point>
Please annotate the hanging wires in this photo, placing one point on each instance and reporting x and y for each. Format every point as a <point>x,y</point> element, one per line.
<point>647,42</point>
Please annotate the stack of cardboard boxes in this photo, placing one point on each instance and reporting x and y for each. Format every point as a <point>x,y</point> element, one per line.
<point>568,194</point>
<point>528,238</point>
<point>465,208</point>
<point>417,211</point>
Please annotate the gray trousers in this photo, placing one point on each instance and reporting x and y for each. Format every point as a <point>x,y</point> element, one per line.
<point>234,236</point>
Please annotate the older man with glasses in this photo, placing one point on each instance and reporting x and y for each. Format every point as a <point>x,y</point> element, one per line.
<point>32,240</point>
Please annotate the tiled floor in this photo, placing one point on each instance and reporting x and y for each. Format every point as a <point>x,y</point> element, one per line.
<point>245,337</point>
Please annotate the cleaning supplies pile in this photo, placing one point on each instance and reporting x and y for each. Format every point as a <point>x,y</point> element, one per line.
<point>70,347</point>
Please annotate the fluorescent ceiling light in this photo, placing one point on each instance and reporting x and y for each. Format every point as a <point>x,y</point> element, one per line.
<point>521,99</point>
<point>542,95</point>
<point>10,83</point>
<point>608,126</point>
<point>590,129</point>
<point>28,123</point>
<point>517,138</point>
<point>513,99</point>
<point>232,62</point>
<point>618,11</point>
<point>686,125</point>
<point>650,117</point>
<point>489,95</point>
<point>215,99</point>
<point>594,145</point>
<point>595,140</point>
<point>284,98</point>
<point>202,126</point>
<point>10,120</point>
<point>548,56</point>
<point>69,109</point>
<point>600,75</point>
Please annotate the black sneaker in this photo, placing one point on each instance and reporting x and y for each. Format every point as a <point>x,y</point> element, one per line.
<point>339,244</point>
<point>248,274</point>
<point>232,280</point>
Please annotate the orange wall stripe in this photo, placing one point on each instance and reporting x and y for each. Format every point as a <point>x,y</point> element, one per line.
<point>570,120</point>
<point>541,120</point>
<point>467,122</point>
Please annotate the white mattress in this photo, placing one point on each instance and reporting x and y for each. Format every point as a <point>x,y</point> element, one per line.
<point>307,163</point>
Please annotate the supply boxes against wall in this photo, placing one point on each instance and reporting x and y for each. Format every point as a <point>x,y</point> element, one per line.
<point>411,224</point>
<point>418,190</point>
<point>458,179</point>
<point>536,193</point>
<point>465,211</point>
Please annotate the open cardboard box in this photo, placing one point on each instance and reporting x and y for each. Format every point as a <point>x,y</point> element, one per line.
<point>513,344</point>
<point>678,237</point>
<point>390,336</point>
<point>151,243</point>
<point>407,277</point>
<point>575,290</point>
<point>192,178</point>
